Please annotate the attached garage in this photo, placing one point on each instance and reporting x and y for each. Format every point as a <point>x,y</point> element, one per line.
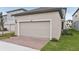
<point>40,23</point>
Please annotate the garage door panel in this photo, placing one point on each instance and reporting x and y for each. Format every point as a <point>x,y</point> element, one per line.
<point>35,29</point>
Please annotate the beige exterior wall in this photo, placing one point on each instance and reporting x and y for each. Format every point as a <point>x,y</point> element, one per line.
<point>56,21</point>
<point>9,23</point>
<point>10,27</point>
<point>9,20</point>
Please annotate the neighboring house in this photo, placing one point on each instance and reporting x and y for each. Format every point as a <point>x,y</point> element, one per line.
<point>9,20</point>
<point>67,24</point>
<point>76,20</point>
<point>43,22</point>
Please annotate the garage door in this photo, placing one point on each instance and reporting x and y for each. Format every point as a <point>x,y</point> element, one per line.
<point>35,29</point>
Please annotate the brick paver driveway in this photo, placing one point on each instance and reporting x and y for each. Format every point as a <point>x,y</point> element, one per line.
<point>35,43</point>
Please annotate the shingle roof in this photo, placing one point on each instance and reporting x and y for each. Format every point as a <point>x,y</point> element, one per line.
<point>41,10</point>
<point>17,10</point>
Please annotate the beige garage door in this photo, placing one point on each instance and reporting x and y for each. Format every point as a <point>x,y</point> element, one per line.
<point>35,29</point>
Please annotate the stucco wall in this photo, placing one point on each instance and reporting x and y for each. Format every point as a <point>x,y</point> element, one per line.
<point>55,16</point>
<point>10,27</point>
<point>76,17</point>
<point>75,21</point>
<point>9,20</point>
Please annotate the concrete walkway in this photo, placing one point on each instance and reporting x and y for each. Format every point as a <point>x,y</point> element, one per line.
<point>4,46</point>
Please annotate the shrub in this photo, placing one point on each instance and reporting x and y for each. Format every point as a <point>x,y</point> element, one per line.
<point>8,34</point>
<point>54,39</point>
<point>66,32</point>
<point>12,34</point>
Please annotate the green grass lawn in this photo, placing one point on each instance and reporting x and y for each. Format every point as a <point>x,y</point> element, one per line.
<point>7,35</point>
<point>66,43</point>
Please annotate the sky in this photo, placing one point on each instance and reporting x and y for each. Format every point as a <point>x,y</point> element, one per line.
<point>69,13</point>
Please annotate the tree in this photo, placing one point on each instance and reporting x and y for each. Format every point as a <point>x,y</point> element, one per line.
<point>1,23</point>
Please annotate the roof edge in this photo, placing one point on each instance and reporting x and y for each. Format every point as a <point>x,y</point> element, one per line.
<point>17,10</point>
<point>27,13</point>
<point>75,12</point>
